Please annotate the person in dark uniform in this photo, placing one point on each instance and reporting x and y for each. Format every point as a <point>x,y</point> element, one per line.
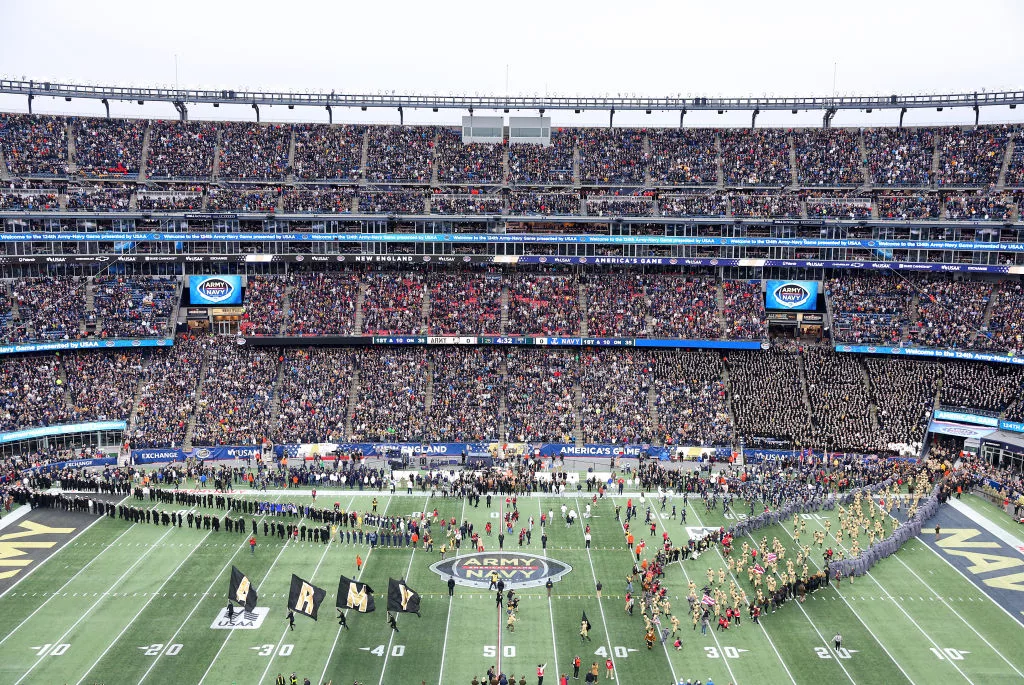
<point>231,611</point>
<point>342,621</point>
<point>279,680</point>
<point>291,619</point>
<point>392,623</point>
<point>451,586</point>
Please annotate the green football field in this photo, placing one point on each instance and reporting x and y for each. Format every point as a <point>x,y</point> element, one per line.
<point>128,603</point>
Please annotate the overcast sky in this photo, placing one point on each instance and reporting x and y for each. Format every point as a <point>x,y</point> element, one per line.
<point>596,47</point>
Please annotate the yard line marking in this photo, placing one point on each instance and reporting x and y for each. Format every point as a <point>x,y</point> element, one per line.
<point>391,639</point>
<point>94,605</point>
<point>600,604</point>
<point>737,581</point>
<point>80,571</point>
<point>898,606</point>
<point>444,644</point>
<point>551,608</point>
<point>358,576</point>
<point>957,613</point>
<point>143,607</point>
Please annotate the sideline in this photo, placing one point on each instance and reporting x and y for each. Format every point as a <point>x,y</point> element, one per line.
<point>987,524</point>
<point>15,516</point>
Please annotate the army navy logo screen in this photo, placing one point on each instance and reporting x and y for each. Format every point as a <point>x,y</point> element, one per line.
<point>516,570</point>
<point>801,295</point>
<point>215,290</point>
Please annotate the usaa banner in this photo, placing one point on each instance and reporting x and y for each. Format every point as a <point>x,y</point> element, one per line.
<point>355,595</point>
<point>304,597</point>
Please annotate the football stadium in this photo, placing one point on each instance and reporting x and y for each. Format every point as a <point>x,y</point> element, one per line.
<point>291,377</point>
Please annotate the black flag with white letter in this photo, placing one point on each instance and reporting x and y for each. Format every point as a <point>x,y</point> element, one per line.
<point>355,595</point>
<point>403,598</point>
<point>304,597</point>
<point>241,591</point>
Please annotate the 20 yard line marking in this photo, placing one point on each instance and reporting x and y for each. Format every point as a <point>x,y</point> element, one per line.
<point>143,607</point>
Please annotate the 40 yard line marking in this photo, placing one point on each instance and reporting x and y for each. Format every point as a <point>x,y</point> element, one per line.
<point>96,603</point>
<point>199,603</point>
<point>551,609</point>
<point>444,644</point>
<point>391,639</point>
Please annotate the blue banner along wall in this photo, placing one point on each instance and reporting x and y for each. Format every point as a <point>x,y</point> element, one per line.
<point>63,345</point>
<point>219,453</point>
<point>933,353</point>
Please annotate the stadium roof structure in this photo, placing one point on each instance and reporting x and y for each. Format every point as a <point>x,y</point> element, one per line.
<point>181,98</point>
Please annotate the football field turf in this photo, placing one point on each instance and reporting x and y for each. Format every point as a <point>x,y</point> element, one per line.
<point>123,603</point>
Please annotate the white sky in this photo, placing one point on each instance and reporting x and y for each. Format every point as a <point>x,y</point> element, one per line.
<point>728,48</point>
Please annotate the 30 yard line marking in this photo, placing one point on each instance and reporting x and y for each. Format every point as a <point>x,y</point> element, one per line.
<point>143,607</point>
<point>359,575</point>
<point>447,623</point>
<point>391,639</point>
<point>94,605</point>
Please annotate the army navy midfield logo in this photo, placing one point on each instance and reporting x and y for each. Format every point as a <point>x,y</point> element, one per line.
<point>517,570</point>
<point>792,295</point>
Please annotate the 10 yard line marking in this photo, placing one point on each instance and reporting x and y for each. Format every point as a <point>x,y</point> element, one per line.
<point>359,575</point>
<point>143,607</point>
<point>406,578</point>
<point>444,644</point>
<point>80,571</point>
<point>96,603</point>
<point>199,603</point>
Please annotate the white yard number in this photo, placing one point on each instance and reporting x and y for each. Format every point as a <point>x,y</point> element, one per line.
<point>283,650</point>
<point>53,650</point>
<point>619,651</point>
<point>731,516</point>
<point>823,653</point>
<point>155,650</point>
<point>949,653</point>
<point>727,653</point>
<point>508,651</point>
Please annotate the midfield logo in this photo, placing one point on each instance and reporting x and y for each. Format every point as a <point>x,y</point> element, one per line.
<point>517,570</point>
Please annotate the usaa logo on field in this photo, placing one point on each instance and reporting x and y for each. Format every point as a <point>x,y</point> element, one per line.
<point>792,295</point>
<point>517,570</point>
<point>216,289</point>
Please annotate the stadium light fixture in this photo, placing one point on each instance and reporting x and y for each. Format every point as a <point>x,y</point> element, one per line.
<point>67,99</point>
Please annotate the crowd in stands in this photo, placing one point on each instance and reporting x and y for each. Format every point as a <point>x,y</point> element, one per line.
<point>464,303</point>
<point>466,391</point>
<point>773,205</point>
<point>986,387</point>
<point>243,198</point>
<point>905,206</point>
<point>34,144</point>
<point>256,152</point>
<point>171,197</point>
<point>694,204</point>
<point>48,308</point>
<point>100,198</point>
<point>108,147</point>
<point>767,398</point>
<point>904,394</point>
<point>322,304</point>
<point>392,202</point>
<point>620,205</point>
<point>836,205</point>
<point>615,385</point>
<point>314,394</point>
<point>337,200</point>
<point>400,154</point>
<point>684,307</point>
<point>134,306</point>
<point>611,156</point>
<point>949,313</point>
<point>102,386</point>
<point>167,396</point>
<point>869,309</point>
<point>234,401</point>
<point>1005,330</point>
<point>977,206</point>
<point>838,389</point>
<point>392,302</point>
<point>543,165</point>
<point>328,152</point>
<point>20,197</point>
<point>970,156</point>
<point>743,310</point>
<point>31,393</point>
<point>540,404</point>
<point>828,157</point>
<point>264,305</point>
<point>544,203</point>
<point>690,398</point>
<point>756,157</point>
<point>474,203</point>
<point>543,303</point>
<point>899,156</point>
<point>181,149</point>
<point>391,402</point>
<point>616,304</point>
<point>682,157</point>
<point>470,162</point>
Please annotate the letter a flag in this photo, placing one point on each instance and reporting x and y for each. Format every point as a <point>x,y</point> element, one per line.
<point>304,597</point>
<point>355,595</point>
<point>586,620</point>
<point>402,598</point>
<point>241,591</point>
